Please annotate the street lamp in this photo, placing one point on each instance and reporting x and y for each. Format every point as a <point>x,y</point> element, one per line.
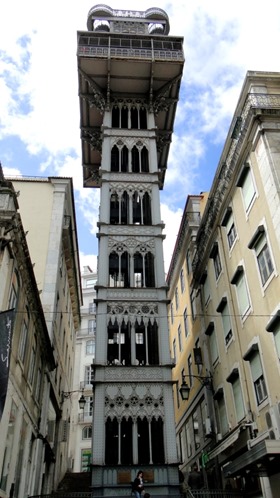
<point>82,401</point>
<point>185,388</point>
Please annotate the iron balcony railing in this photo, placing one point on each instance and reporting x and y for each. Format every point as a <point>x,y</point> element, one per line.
<point>143,48</point>
<point>201,493</point>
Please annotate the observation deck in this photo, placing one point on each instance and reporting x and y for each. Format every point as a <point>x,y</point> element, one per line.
<point>127,54</point>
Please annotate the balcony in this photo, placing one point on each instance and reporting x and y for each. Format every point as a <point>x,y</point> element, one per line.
<point>87,331</point>
<point>116,46</point>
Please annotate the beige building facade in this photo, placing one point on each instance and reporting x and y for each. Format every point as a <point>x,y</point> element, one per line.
<point>236,282</point>
<point>47,211</point>
<point>26,453</point>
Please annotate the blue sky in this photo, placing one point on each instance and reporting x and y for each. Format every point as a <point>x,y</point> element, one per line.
<point>39,108</point>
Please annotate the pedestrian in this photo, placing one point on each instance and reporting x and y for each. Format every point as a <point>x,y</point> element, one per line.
<point>183,485</point>
<point>138,484</point>
<point>195,480</point>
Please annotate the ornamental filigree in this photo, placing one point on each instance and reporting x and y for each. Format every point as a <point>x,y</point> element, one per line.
<point>97,98</point>
<point>93,138</point>
<point>149,310</point>
<point>134,401</point>
<point>162,140</point>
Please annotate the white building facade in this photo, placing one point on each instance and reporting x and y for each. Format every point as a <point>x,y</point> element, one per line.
<point>81,421</point>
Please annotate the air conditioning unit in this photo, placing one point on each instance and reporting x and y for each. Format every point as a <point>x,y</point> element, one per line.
<point>208,428</point>
<point>272,417</point>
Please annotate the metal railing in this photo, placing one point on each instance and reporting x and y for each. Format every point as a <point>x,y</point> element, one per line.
<point>135,53</point>
<point>213,493</point>
<point>198,493</point>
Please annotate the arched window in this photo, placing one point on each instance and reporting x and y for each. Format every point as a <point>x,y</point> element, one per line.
<point>134,118</point>
<point>126,441</point>
<point>115,159</point>
<point>115,117</point>
<point>111,441</point>
<point>90,347</point>
<point>144,160</point>
<point>143,118</point>
<point>144,273</point>
<point>157,441</point>
<point>143,441</point>
<point>146,339</point>
<point>135,160</point>
<point>87,432</point>
<point>118,441</point>
<point>119,269</point>
<point>124,159</point>
<point>146,208</point>
<point>136,204</point>
<point>124,117</point>
<point>114,209</point>
<point>141,206</point>
<point>119,343</point>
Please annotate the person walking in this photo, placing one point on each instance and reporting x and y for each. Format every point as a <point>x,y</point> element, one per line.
<point>138,484</point>
<point>195,480</point>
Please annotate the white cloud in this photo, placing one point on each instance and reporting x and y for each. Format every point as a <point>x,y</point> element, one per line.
<point>172,220</point>
<point>88,260</point>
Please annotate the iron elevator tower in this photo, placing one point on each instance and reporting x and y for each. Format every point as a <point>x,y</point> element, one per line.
<point>129,78</point>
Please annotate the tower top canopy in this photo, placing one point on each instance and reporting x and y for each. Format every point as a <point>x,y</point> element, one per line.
<point>153,21</point>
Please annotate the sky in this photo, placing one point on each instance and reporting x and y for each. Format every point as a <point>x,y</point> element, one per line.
<point>39,105</point>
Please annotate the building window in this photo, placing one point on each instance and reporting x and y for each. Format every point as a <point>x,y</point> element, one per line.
<point>186,322</point>
<point>182,280</point>
<point>92,308</point>
<point>223,308</point>
<point>221,412</point>
<point>193,304</point>
<point>210,332</point>
<point>90,347</point>
<point>23,341</point>
<point>196,434</point>
<point>32,365</point>
<point>180,338</point>
<point>264,260</point>
<point>91,327</point>
<point>246,183</point>
<point>14,292</point>
<point>176,298</point>
<point>88,410</point>
<point>172,313</point>
<point>119,441</point>
<point>242,293</point>
<point>190,370</point>
<point>253,357</point>
<point>188,440</point>
<point>206,291</point>
<point>274,327</point>
<point>228,223</point>
<point>88,374</point>
<point>214,254</point>
<point>38,384</point>
<point>189,262</point>
<point>90,282</point>
<point>174,350</point>
<point>87,432</point>
<point>234,380</point>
